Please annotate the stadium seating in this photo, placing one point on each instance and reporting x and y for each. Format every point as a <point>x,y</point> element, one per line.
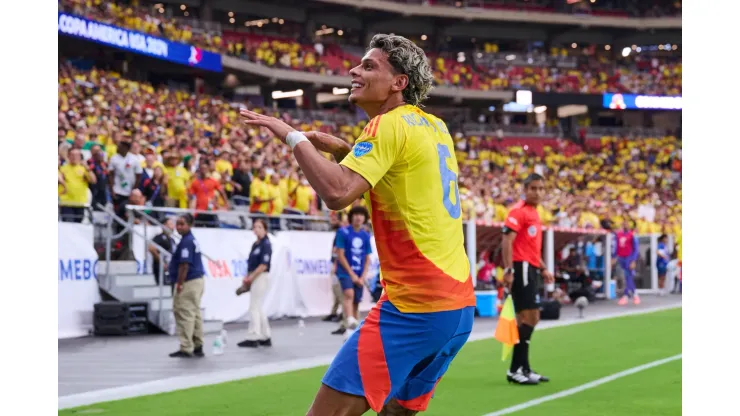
<point>623,8</point>
<point>608,180</point>
<point>631,75</point>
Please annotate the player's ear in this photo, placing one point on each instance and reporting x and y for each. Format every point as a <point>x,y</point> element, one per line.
<point>400,82</point>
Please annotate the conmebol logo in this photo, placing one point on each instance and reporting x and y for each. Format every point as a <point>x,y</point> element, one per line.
<point>196,55</point>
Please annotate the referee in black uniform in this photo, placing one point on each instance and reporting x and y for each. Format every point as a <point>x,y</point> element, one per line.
<point>522,258</point>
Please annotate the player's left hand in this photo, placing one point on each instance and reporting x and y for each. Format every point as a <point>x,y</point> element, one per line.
<point>633,265</point>
<point>278,127</point>
<point>178,287</point>
<point>549,278</point>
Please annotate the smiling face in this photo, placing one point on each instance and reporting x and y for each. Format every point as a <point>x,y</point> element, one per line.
<point>374,81</point>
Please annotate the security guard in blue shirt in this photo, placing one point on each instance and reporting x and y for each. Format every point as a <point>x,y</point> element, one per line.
<point>258,280</point>
<point>186,268</point>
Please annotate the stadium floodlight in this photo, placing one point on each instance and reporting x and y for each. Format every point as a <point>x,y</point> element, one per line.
<point>524,97</point>
<point>322,32</point>
<point>626,51</point>
<point>277,95</point>
<point>540,109</point>
<point>340,91</point>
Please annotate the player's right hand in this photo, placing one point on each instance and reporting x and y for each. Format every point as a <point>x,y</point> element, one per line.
<point>508,279</point>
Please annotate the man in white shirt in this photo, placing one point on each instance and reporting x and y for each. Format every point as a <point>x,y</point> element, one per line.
<point>125,174</point>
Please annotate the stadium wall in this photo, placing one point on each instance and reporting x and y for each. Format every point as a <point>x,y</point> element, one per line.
<point>300,270</point>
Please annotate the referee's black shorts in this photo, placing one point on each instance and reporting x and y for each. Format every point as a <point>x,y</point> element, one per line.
<point>525,287</point>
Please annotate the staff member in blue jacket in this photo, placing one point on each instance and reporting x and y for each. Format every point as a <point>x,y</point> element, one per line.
<point>353,258</point>
<point>258,279</point>
<point>187,267</point>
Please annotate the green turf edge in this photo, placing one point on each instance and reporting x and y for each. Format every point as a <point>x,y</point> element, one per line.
<point>304,383</point>
<point>655,392</point>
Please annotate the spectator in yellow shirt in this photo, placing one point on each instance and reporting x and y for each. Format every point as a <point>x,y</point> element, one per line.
<point>258,193</point>
<point>304,196</point>
<point>77,177</point>
<point>178,179</point>
<point>226,170</point>
<point>276,200</point>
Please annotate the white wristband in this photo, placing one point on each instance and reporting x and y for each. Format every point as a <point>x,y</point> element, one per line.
<point>295,137</point>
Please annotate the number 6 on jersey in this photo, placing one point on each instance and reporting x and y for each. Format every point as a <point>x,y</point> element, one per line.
<point>448,179</point>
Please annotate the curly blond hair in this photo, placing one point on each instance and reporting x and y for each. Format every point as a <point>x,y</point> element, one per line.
<point>408,59</point>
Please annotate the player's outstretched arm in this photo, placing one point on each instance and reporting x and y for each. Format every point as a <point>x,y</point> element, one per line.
<point>336,185</point>
<point>327,143</point>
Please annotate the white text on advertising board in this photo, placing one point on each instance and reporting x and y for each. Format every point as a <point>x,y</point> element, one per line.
<point>112,35</point>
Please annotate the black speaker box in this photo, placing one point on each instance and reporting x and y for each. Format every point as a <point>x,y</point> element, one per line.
<point>120,318</point>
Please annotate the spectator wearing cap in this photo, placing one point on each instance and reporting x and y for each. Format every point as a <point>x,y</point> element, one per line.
<point>77,177</point>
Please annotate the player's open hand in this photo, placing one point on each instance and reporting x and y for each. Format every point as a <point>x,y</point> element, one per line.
<point>278,127</point>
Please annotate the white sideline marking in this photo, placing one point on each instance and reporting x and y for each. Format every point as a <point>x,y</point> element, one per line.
<point>582,387</point>
<point>198,380</point>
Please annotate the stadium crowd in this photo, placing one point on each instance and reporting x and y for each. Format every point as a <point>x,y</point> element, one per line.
<point>601,186</point>
<point>176,136</point>
<point>613,8</point>
<point>598,74</point>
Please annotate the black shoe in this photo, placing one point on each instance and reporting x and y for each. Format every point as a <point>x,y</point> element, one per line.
<point>537,377</point>
<point>198,352</point>
<point>265,342</point>
<point>337,318</point>
<point>181,354</point>
<point>329,318</point>
<point>520,378</point>
<point>339,331</point>
<point>248,344</point>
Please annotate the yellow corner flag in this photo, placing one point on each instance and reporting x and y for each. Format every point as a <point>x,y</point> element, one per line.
<point>506,329</point>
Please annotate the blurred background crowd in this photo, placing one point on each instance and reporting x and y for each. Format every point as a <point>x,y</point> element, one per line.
<point>479,65</point>
<point>181,136</point>
<point>174,133</point>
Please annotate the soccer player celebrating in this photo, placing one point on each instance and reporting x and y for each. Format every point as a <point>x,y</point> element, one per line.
<point>522,258</point>
<point>404,165</point>
<point>625,253</point>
